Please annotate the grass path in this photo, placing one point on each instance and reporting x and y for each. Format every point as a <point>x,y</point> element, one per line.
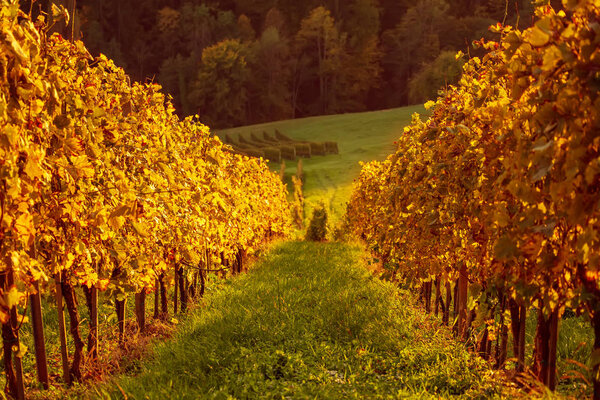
<point>308,321</point>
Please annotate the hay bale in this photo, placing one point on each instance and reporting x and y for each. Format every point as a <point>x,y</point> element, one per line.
<point>317,148</point>
<point>331,148</point>
<point>288,152</point>
<point>272,154</point>
<point>302,149</point>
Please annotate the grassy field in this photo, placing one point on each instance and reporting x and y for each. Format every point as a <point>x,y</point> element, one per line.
<point>361,137</point>
<point>272,333</point>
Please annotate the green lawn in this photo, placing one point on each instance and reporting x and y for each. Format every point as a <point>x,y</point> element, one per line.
<point>361,137</point>
<point>308,321</point>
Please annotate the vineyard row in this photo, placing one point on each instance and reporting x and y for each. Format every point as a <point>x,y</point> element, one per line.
<point>104,188</point>
<point>495,199</point>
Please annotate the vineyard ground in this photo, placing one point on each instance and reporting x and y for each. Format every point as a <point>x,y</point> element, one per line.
<point>308,321</point>
<point>360,136</point>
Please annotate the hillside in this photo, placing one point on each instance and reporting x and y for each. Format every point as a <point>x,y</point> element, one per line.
<point>360,137</point>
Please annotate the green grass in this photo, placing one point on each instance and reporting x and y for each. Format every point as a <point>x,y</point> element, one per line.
<point>309,321</point>
<point>361,137</point>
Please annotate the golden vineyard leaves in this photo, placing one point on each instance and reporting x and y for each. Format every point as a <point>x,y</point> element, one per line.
<point>102,182</point>
<point>504,177</point>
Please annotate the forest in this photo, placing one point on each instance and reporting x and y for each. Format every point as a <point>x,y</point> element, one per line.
<point>238,62</point>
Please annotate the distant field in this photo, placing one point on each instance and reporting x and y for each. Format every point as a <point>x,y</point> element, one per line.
<point>361,137</point>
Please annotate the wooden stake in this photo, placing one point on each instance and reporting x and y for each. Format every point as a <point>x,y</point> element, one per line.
<point>164,304</point>
<point>37,323</point>
<point>62,332</point>
<point>552,348</point>
<point>176,281</point>
<point>156,298</point>
<point>71,302</point>
<point>463,287</point>
<point>120,309</point>
<point>140,309</point>
<point>521,356</point>
<point>438,295</point>
<point>91,299</point>
<point>446,318</point>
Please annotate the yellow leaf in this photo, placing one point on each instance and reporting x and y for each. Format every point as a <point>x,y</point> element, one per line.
<point>537,37</point>
<point>116,222</point>
<point>12,297</point>
<point>32,169</point>
<point>83,166</point>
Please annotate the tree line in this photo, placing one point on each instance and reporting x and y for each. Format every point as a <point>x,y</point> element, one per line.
<point>237,62</point>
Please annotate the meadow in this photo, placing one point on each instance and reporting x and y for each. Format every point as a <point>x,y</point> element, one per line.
<point>360,137</point>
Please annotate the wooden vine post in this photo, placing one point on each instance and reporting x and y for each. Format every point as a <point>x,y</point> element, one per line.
<point>544,366</point>
<point>156,298</point>
<point>182,288</point>
<point>463,288</point>
<point>175,287</point>
<point>37,322</point>
<point>446,317</point>
<point>68,293</point>
<point>62,331</point>
<point>502,340</point>
<point>140,309</point>
<point>91,296</point>
<point>120,310</point>
<point>164,304</point>
<point>438,295</point>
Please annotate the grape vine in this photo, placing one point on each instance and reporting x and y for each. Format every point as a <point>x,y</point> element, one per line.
<point>497,193</point>
<point>103,186</point>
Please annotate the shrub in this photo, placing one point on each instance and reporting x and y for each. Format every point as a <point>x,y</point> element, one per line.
<point>317,228</point>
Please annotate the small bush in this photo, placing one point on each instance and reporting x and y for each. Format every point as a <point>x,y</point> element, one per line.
<point>317,229</point>
<point>342,232</point>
